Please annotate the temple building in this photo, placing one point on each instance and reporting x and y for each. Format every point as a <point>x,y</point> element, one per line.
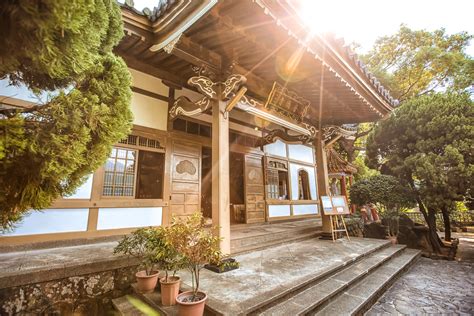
<point>236,107</point>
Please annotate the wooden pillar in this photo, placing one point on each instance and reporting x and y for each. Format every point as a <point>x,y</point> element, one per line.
<point>344,186</point>
<point>220,174</point>
<point>323,185</point>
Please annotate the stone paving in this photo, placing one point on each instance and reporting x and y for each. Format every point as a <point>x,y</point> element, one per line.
<point>434,286</point>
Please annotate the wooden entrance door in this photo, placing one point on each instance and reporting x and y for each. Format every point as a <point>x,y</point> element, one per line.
<point>185,178</point>
<point>254,189</point>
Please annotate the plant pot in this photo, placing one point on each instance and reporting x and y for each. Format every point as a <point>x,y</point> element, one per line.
<point>146,283</point>
<point>191,308</point>
<point>225,265</point>
<point>169,290</point>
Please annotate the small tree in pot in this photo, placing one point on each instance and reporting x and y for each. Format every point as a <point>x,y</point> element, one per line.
<point>168,259</point>
<point>141,244</point>
<point>198,247</point>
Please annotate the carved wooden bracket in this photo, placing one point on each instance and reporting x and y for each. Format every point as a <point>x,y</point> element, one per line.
<point>332,132</point>
<point>211,90</point>
<point>276,134</point>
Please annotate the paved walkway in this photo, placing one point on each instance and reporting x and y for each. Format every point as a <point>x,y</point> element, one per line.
<point>434,286</point>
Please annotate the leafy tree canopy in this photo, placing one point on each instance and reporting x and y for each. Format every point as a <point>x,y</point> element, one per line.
<point>48,149</point>
<point>412,63</point>
<point>383,189</point>
<point>48,44</point>
<point>428,142</point>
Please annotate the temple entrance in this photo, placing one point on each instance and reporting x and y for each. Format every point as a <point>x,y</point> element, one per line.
<point>206,182</point>
<point>236,187</point>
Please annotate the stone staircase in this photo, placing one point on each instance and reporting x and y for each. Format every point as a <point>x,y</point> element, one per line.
<point>246,238</point>
<point>348,289</point>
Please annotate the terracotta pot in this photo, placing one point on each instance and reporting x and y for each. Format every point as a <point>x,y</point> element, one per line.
<point>169,290</point>
<point>146,283</point>
<point>191,308</point>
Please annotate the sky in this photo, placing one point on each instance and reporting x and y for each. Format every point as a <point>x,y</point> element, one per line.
<point>363,21</point>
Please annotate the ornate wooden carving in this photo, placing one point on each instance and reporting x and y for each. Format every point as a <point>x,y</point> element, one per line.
<point>210,90</point>
<point>276,134</point>
<point>287,102</point>
<point>335,131</point>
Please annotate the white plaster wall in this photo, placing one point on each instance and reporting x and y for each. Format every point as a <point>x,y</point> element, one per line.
<point>305,209</point>
<point>278,210</point>
<point>278,148</point>
<point>301,152</point>
<point>147,82</point>
<point>114,218</point>
<point>149,112</point>
<point>51,221</point>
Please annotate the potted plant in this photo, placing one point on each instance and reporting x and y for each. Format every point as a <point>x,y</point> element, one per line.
<point>141,244</point>
<point>198,246</point>
<point>168,259</point>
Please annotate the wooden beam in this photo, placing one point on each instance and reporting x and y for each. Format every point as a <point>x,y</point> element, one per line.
<point>235,99</point>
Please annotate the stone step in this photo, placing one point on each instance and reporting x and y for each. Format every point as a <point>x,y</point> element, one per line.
<point>361,295</point>
<point>124,307</point>
<point>317,293</point>
<point>154,300</point>
<point>270,236</point>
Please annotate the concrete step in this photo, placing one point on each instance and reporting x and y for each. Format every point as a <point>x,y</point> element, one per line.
<point>269,236</point>
<point>317,293</point>
<point>154,300</point>
<point>361,295</point>
<point>124,307</point>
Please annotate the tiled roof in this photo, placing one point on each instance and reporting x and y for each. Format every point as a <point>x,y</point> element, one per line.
<point>336,164</point>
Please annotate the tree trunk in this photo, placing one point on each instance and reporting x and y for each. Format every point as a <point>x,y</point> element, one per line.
<point>430,218</point>
<point>447,224</point>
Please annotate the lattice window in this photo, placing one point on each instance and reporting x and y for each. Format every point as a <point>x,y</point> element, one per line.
<point>141,141</point>
<point>120,173</point>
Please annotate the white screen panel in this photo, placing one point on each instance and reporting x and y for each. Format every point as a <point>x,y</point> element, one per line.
<point>294,180</point>
<point>301,153</point>
<point>84,191</point>
<point>52,221</point>
<point>278,210</point>
<point>305,209</point>
<point>277,148</point>
<point>114,218</point>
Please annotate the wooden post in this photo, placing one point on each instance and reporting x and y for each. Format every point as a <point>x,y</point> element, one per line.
<point>323,185</point>
<point>220,174</point>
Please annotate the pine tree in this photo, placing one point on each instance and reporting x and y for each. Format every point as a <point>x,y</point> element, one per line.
<point>64,47</point>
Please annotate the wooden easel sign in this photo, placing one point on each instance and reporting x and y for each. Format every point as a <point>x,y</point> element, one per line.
<point>335,207</point>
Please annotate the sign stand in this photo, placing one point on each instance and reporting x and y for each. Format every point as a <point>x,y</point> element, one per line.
<point>335,207</point>
<point>338,225</point>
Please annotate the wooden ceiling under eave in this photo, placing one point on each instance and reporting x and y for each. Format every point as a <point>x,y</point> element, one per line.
<point>239,31</point>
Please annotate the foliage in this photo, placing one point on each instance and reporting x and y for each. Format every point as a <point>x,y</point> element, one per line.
<point>49,44</point>
<point>411,63</point>
<point>141,244</point>
<point>382,189</point>
<point>432,148</point>
<point>197,244</point>
<point>363,172</point>
<point>47,150</point>
<point>166,255</point>
<point>427,143</point>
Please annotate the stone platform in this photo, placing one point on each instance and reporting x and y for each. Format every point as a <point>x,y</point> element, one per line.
<point>298,278</point>
<point>91,270</point>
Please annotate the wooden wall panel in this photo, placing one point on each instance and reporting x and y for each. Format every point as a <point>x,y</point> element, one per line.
<point>254,189</point>
<point>185,178</point>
